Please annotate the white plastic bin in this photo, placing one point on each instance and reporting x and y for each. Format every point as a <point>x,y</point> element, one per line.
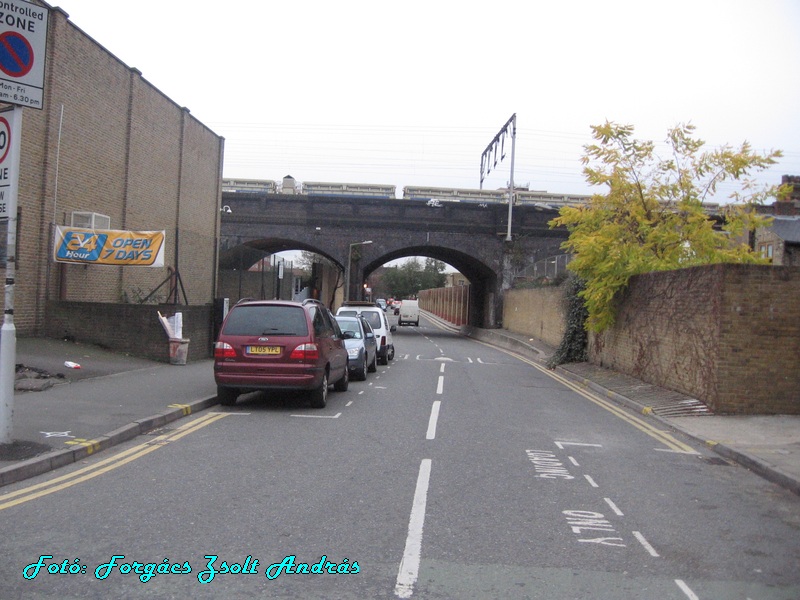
<point>178,351</point>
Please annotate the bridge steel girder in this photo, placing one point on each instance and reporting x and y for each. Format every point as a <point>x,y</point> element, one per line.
<point>468,236</point>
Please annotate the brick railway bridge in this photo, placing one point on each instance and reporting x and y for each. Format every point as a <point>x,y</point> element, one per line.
<point>469,236</point>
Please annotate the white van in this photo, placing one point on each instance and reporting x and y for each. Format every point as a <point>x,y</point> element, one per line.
<point>409,313</point>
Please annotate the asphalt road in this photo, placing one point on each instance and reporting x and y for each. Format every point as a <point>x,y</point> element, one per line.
<point>457,471</point>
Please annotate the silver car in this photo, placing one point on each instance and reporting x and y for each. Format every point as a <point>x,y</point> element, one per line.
<point>359,339</point>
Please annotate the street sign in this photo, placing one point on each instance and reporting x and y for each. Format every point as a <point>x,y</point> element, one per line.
<point>6,167</point>
<point>23,47</point>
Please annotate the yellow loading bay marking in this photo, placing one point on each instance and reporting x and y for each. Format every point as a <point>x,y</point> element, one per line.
<point>104,466</point>
<point>662,436</point>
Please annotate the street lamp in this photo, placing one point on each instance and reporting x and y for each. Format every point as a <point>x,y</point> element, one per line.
<point>349,260</point>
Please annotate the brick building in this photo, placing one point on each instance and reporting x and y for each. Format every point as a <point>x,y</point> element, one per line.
<point>110,144</point>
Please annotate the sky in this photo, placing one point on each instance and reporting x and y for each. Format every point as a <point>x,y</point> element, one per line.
<point>411,93</point>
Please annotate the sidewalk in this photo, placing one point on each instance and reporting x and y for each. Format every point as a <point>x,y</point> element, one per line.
<point>114,397</point>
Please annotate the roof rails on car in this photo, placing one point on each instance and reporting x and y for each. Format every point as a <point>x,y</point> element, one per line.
<point>358,303</point>
<point>313,301</point>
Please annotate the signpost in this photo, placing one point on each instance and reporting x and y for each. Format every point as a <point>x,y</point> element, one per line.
<point>10,130</point>
<point>23,48</point>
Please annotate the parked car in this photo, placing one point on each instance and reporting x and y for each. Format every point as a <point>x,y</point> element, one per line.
<point>381,303</point>
<point>409,313</point>
<point>380,325</point>
<point>362,348</point>
<point>280,345</point>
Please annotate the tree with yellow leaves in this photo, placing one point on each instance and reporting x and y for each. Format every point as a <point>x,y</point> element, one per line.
<point>652,216</point>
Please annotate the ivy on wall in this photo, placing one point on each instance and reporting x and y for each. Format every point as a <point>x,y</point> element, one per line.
<point>573,344</point>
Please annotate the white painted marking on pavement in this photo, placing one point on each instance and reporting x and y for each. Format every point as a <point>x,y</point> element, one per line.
<point>433,420</point>
<point>645,543</point>
<point>442,369</point>
<point>336,416</point>
<point>562,444</point>
<point>591,481</point>
<point>685,589</point>
<point>613,507</point>
<point>409,566</point>
<point>573,461</point>
<point>440,385</point>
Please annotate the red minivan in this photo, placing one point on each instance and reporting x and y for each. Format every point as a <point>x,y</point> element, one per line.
<point>280,345</point>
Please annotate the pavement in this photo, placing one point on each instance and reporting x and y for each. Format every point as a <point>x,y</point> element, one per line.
<point>61,415</point>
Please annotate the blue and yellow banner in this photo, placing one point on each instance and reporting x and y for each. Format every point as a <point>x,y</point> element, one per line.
<point>109,247</point>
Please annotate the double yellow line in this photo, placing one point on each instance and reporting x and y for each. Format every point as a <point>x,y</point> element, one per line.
<point>662,436</point>
<point>104,466</point>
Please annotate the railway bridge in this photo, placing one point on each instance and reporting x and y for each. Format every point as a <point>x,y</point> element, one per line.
<point>470,236</point>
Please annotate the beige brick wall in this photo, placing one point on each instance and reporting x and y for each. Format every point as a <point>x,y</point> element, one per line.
<point>124,150</point>
<point>537,312</point>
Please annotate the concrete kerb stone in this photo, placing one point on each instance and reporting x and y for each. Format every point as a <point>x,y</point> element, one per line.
<point>39,465</point>
<point>758,466</point>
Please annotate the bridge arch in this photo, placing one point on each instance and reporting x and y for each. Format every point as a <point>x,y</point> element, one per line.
<point>471,237</point>
<point>482,279</point>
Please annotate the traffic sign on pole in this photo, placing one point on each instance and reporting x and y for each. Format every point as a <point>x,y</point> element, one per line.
<point>23,47</point>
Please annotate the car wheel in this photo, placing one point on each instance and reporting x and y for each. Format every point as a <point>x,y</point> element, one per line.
<point>226,396</point>
<point>384,360</point>
<point>374,365</point>
<point>361,375</point>
<point>390,355</point>
<point>344,382</point>
<point>319,396</point>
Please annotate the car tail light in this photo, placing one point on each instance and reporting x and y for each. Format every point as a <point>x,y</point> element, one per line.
<point>383,340</point>
<point>308,352</point>
<point>224,350</point>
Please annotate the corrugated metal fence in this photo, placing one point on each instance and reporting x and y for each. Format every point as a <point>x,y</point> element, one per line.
<point>451,303</point>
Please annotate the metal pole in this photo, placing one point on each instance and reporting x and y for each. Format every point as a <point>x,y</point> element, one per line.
<point>511,185</point>
<point>8,332</point>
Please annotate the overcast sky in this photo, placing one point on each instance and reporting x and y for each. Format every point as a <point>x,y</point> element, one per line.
<point>411,93</point>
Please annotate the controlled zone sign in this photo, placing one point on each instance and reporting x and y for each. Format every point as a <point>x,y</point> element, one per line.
<point>23,47</point>
<point>109,247</point>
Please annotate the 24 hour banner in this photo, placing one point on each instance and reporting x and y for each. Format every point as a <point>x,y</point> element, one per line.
<point>109,247</point>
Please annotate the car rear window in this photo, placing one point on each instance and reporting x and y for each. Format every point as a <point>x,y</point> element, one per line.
<point>266,320</point>
<point>352,326</point>
<point>372,318</point>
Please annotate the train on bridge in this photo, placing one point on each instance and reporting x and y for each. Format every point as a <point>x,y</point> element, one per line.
<point>434,196</point>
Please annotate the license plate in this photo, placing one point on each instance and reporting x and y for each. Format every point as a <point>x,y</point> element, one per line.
<point>264,350</point>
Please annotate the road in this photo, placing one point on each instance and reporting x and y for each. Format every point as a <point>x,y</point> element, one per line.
<point>457,471</point>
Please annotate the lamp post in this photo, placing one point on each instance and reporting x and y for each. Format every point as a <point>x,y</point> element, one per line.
<point>350,260</point>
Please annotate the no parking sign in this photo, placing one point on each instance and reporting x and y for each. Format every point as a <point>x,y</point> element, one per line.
<point>23,47</point>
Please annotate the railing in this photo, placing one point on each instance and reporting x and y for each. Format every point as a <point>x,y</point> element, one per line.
<point>549,268</point>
